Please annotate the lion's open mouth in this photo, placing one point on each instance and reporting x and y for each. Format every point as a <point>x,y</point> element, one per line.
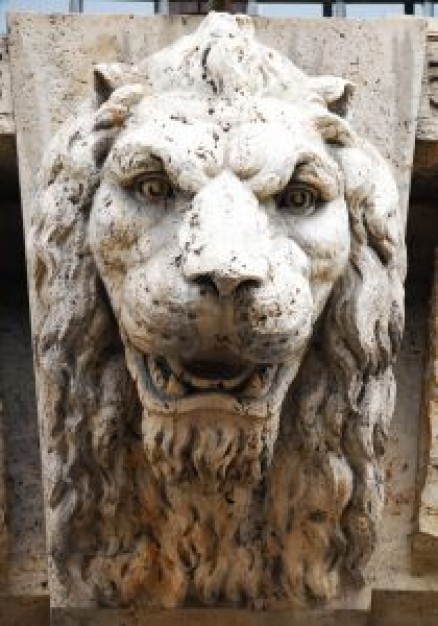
<point>220,382</point>
<point>226,373</point>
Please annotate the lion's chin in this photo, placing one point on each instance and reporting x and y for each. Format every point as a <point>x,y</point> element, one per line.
<point>219,385</point>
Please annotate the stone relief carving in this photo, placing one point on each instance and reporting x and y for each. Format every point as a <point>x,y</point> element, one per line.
<point>218,263</point>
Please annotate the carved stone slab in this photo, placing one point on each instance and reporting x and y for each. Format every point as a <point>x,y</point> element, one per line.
<point>91,414</point>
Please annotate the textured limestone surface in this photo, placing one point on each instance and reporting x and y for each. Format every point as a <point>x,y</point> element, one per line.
<point>427,126</point>
<point>212,617</point>
<point>388,609</point>
<point>217,264</point>
<point>6,115</point>
<point>125,39</point>
<point>383,58</point>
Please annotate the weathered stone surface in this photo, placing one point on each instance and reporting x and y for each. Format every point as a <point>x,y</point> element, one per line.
<point>390,564</point>
<point>405,608</point>
<point>413,608</point>
<point>384,107</point>
<point>427,127</point>
<point>221,198</point>
<point>212,617</point>
<point>425,540</point>
<point>24,610</point>
<point>6,115</point>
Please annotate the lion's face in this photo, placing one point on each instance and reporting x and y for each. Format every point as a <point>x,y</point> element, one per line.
<point>219,230</point>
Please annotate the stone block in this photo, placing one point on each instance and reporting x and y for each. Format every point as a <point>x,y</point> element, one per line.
<point>383,110</point>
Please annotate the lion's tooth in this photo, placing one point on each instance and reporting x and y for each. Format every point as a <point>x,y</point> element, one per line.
<point>259,383</point>
<point>175,388</point>
<point>254,386</point>
<point>157,375</point>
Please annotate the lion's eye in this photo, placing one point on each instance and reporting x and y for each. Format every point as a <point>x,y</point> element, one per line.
<point>298,199</point>
<point>154,187</point>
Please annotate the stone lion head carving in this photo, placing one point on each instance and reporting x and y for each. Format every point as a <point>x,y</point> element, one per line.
<point>218,262</point>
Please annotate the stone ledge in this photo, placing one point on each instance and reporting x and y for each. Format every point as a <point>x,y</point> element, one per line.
<point>403,608</point>
<point>388,608</point>
<point>24,611</point>
<point>210,617</point>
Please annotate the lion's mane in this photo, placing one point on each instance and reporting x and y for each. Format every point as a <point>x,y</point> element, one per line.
<point>336,416</point>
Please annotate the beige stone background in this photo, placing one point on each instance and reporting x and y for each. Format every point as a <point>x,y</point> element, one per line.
<point>51,61</point>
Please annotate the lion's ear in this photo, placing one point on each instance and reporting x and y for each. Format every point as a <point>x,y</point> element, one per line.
<point>110,76</point>
<point>335,91</point>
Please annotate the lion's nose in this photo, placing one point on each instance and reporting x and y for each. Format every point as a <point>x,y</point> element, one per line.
<point>225,285</point>
<point>225,238</point>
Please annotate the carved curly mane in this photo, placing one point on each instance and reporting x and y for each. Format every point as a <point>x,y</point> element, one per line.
<point>335,418</point>
<point>343,398</point>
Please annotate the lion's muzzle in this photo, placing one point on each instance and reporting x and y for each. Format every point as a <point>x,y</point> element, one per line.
<point>223,239</point>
